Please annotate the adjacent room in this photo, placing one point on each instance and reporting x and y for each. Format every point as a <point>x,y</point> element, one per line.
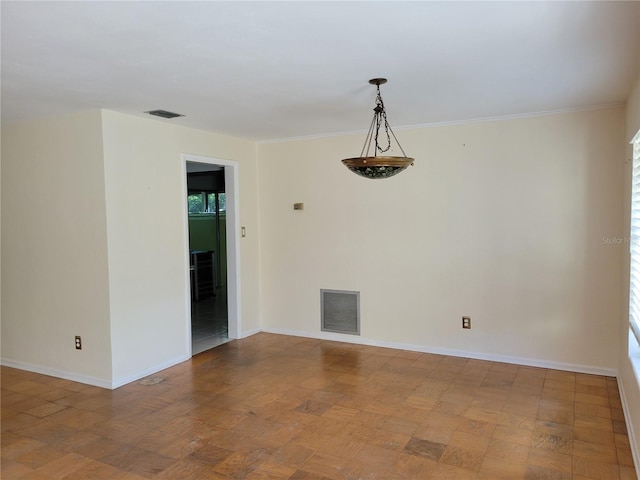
<point>215,264</point>
<point>207,255</point>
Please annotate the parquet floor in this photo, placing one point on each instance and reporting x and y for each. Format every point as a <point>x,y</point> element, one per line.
<point>278,407</point>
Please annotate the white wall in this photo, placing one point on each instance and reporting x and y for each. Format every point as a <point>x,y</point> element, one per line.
<point>94,244</point>
<point>146,237</point>
<point>627,379</point>
<point>54,256</point>
<point>503,221</point>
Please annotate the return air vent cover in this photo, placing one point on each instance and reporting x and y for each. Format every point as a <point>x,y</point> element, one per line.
<point>340,311</point>
<point>164,114</point>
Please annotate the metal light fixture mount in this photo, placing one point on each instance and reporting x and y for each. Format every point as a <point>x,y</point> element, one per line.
<point>378,166</point>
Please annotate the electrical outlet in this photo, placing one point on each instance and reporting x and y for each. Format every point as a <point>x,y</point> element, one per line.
<point>78,342</point>
<point>466,322</point>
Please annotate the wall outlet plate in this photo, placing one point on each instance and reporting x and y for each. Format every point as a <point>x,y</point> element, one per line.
<point>78,342</point>
<point>466,322</point>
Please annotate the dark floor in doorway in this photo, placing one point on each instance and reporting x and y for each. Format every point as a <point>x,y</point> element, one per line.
<point>209,322</point>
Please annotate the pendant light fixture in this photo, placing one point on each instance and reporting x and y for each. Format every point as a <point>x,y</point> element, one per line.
<point>378,166</point>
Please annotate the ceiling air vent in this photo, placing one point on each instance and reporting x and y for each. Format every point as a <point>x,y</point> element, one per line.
<point>340,311</point>
<point>164,114</point>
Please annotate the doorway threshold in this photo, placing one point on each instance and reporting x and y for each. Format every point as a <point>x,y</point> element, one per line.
<point>207,344</point>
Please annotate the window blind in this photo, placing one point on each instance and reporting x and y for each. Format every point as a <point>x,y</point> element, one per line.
<point>634,242</point>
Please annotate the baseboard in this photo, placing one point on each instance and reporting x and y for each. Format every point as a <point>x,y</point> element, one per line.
<point>87,379</point>
<point>148,371</point>
<point>249,333</point>
<point>633,441</point>
<point>115,383</point>
<point>531,362</point>
<point>55,372</point>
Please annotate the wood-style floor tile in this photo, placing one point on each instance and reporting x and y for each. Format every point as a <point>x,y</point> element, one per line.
<point>273,407</point>
<point>595,469</point>
<point>463,458</point>
<point>552,461</point>
<point>537,472</point>
<point>499,468</point>
<point>11,469</point>
<point>443,471</point>
<point>425,448</point>
<point>508,451</point>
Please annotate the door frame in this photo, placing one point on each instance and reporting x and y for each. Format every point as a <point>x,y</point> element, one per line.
<point>231,174</point>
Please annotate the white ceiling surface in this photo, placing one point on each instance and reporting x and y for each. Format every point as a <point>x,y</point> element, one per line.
<point>273,70</point>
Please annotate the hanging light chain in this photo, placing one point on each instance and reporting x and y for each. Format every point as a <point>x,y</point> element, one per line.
<point>367,140</point>
<point>381,115</point>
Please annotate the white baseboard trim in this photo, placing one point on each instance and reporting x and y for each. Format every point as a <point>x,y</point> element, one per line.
<point>633,441</point>
<point>55,372</point>
<point>531,362</point>
<point>148,371</point>
<point>87,379</point>
<point>115,383</point>
<point>249,333</point>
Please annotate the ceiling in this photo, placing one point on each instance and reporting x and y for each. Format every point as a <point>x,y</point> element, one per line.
<point>274,70</point>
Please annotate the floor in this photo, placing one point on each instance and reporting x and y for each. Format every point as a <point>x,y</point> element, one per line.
<point>209,322</point>
<point>279,407</point>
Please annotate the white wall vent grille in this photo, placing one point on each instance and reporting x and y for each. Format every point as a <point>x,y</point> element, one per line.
<point>340,311</point>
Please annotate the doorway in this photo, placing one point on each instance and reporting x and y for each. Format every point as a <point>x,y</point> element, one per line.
<point>211,226</point>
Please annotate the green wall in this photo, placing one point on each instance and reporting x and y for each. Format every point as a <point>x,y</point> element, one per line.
<point>202,236</point>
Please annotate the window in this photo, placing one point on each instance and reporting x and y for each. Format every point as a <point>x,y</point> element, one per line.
<point>205,202</point>
<point>196,203</point>
<point>634,281</point>
<point>222,202</point>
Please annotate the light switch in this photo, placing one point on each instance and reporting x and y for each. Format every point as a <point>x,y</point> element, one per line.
<point>298,206</point>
